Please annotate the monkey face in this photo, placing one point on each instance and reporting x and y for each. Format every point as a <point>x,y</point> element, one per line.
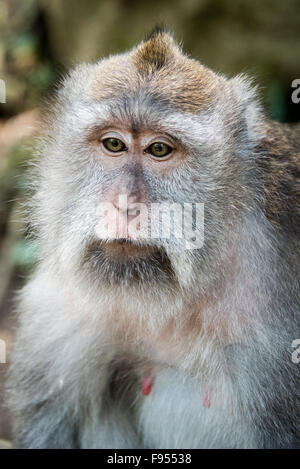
<point>128,244</point>
<point>134,137</point>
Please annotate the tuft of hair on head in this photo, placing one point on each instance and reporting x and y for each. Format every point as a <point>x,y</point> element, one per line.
<point>156,50</point>
<point>159,29</point>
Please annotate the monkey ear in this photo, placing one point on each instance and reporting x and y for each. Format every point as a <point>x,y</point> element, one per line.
<point>247,108</point>
<point>156,51</point>
<point>244,89</point>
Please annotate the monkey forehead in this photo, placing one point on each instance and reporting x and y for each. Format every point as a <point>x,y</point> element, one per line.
<point>158,67</point>
<point>137,115</point>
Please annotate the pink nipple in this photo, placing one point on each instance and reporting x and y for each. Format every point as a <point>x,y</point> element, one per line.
<point>207,399</point>
<point>147,385</point>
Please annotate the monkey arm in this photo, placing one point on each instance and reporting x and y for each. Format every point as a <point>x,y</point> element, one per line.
<point>43,418</point>
<point>58,390</point>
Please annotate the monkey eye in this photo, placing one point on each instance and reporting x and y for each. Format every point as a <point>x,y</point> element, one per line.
<point>114,145</point>
<point>159,149</point>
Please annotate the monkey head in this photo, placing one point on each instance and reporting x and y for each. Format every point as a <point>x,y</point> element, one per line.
<point>128,135</point>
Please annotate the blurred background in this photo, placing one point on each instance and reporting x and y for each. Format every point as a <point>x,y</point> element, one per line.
<point>40,40</point>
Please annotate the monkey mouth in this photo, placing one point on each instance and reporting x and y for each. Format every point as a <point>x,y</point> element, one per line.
<point>120,260</point>
<point>124,248</point>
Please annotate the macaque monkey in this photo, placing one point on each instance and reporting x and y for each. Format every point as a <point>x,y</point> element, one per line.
<point>133,336</point>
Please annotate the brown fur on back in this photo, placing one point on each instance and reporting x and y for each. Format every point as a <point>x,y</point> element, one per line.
<point>280,163</point>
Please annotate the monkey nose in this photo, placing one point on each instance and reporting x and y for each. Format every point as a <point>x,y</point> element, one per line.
<point>126,203</point>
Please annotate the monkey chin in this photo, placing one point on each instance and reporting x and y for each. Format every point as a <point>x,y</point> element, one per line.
<point>127,261</point>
